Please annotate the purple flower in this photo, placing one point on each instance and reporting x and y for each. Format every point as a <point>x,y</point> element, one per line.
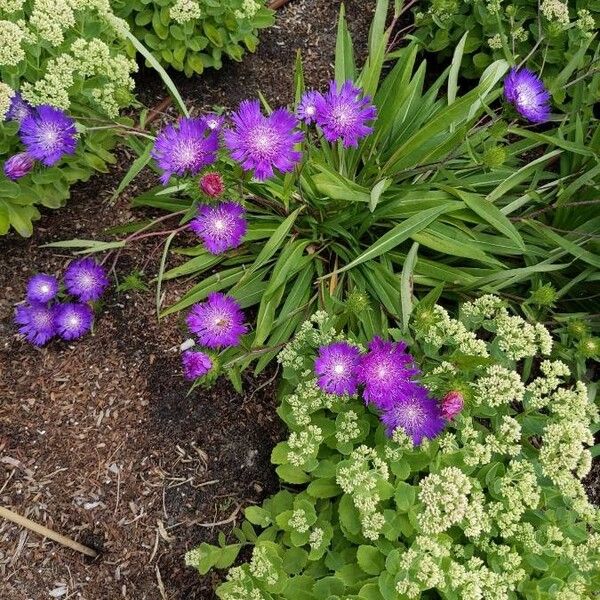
<point>72,320</point>
<point>195,364</point>
<point>48,134</point>
<point>416,413</point>
<point>18,108</point>
<point>185,148</point>
<point>42,288</point>
<point>526,92</point>
<point>452,404</point>
<point>343,114</point>
<point>307,109</point>
<point>261,144</point>
<point>18,165</point>
<point>213,121</point>
<point>336,368</point>
<point>86,279</point>
<point>218,322</point>
<point>220,227</point>
<point>385,371</point>
<point>36,322</point>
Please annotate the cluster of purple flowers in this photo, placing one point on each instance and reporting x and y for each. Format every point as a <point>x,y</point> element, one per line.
<point>47,133</point>
<point>386,374</point>
<point>261,143</point>
<point>43,316</point>
<point>217,323</point>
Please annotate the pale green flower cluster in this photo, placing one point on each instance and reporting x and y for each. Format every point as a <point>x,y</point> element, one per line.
<point>359,479</point>
<point>261,566</point>
<point>243,587</point>
<point>498,386</point>
<point>11,36</point>
<point>11,6</point>
<point>585,22</point>
<point>308,398</point>
<point>555,11</point>
<point>248,10</point>
<point>298,521</point>
<point>448,331</point>
<point>347,427</point>
<point>6,94</point>
<point>185,10</point>
<point>71,59</point>
<point>495,42</point>
<point>304,445</point>
<point>315,539</point>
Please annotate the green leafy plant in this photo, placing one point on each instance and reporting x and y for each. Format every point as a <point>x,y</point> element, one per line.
<point>551,36</point>
<point>71,55</point>
<point>193,35</point>
<point>491,508</point>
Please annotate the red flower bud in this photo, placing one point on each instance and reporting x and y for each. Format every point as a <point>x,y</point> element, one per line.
<point>452,404</point>
<point>212,184</point>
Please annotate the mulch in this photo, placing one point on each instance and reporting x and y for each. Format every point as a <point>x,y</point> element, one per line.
<point>99,439</point>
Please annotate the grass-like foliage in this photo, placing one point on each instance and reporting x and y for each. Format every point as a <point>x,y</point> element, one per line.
<point>70,55</point>
<point>553,37</point>
<point>193,35</point>
<point>443,187</point>
<point>492,507</point>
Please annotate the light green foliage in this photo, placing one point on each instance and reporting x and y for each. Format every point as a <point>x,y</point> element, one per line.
<point>548,33</point>
<point>70,54</point>
<point>192,35</point>
<point>493,508</point>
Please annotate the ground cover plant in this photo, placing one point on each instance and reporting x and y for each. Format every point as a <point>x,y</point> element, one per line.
<point>61,62</point>
<point>372,184</point>
<point>443,464</point>
<point>549,36</point>
<point>193,35</point>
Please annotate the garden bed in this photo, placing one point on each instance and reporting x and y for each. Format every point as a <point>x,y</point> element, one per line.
<point>98,439</point>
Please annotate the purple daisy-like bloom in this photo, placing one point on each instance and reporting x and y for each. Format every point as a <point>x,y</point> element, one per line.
<point>262,144</point>
<point>18,166</point>
<point>213,121</point>
<point>184,148</point>
<point>336,368</point>
<point>218,322</point>
<point>416,413</point>
<point>220,227</point>
<point>343,114</point>
<point>526,92</point>
<point>86,279</point>
<point>195,364</point>
<point>385,371</point>
<point>18,109</point>
<point>48,134</point>
<point>307,109</point>
<point>36,322</point>
<point>73,320</point>
<point>42,288</point>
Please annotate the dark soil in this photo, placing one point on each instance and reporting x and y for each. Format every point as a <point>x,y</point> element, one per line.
<point>98,439</point>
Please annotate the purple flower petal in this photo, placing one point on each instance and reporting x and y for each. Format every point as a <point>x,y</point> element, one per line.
<point>218,322</point>
<point>86,280</point>
<point>336,368</point>
<point>36,322</point>
<point>526,92</point>
<point>73,320</point>
<point>220,227</point>
<point>18,166</point>
<point>42,288</point>
<point>195,364</point>
<point>48,134</point>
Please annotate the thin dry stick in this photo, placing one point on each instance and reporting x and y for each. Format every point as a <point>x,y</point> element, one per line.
<point>45,532</point>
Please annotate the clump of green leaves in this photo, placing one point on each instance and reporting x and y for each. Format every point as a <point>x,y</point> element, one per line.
<point>555,36</point>
<point>193,35</point>
<point>492,508</point>
<point>72,55</point>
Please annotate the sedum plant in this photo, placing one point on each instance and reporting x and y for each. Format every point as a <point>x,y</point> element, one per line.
<point>470,489</point>
<point>550,35</point>
<point>70,55</point>
<point>193,35</point>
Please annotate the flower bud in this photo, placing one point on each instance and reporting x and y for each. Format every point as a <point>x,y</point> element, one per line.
<point>452,404</point>
<point>18,166</point>
<point>212,184</point>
